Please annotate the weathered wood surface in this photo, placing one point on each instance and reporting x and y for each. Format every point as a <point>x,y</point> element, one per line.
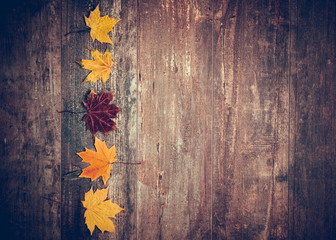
<point>175,118</point>
<point>30,127</point>
<point>76,45</point>
<point>228,106</point>
<point>312,167</point>
<point>251,121</point>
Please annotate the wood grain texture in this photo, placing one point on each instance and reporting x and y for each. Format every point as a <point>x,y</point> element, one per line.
<point>227,128</point>
<point>175,105</point>
<point>123,84</point>
<point>74,136</point>
<point>123,184</point>
<point>250,185</point>
<point>30,125</point>
<point>313,88</point>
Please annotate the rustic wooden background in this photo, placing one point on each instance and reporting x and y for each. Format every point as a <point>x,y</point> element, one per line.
<point>228,106</point>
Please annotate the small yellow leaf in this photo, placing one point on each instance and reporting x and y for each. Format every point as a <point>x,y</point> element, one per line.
<point>100,26</point>
<point>99,210</point>
<point>100,67</point>
<point>100,161</point>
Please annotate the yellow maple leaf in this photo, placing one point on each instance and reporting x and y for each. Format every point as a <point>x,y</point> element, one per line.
<point>99,210</point>
<point>100,161</point>
<point>100,67</point>
<point>100,26</point>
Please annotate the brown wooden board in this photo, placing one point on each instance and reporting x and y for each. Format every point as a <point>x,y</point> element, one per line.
<point>250,188</point>
<point>30,126</point>
<point>76,45</point>
<point>175,114</point>
<point>313,93</point>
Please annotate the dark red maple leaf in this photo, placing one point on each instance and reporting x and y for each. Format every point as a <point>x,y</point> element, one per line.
<point>100,113</point>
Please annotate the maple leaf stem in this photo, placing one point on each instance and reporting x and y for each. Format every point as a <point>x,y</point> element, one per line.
<point>77,31</point>
<point>59,202</point>
<point>67,111</point>
<point>128,163</point>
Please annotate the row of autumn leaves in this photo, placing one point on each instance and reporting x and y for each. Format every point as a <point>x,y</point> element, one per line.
<point>99,118</point>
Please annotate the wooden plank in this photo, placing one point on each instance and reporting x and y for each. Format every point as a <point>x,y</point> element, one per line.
<point>313,94</point>
<point>175,115</point>
<point>122,83</point>
<point>251,116</point>
<point>30,125</point>
<point>74,137</point>
<point>123,184</point>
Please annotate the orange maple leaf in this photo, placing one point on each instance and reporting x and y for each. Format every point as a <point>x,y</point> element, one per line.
<point>100,26</point>
<point>100,161</point>
<point>100,66</point>
<point>99,210</point>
